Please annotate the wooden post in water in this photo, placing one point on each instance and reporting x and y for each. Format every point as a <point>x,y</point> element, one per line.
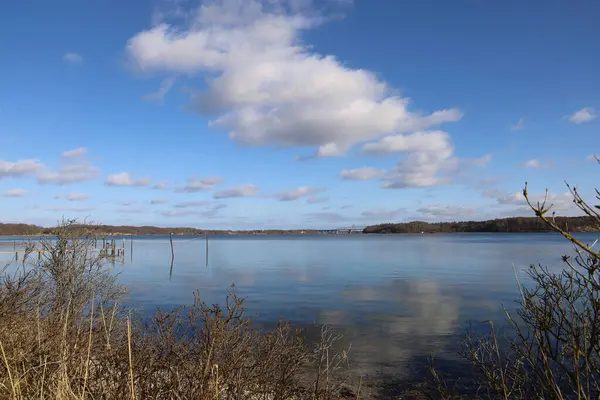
<point>172,251</point>
<point>206,237</point>
<point>14,244</point>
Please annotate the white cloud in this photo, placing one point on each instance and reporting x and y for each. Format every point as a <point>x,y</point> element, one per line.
<point>125,179</point>
<point>159,201</point>
<point>297,193</point>
<point>421,169</point>
<point>164,88</point>
<point>74,154</point>
<point>414,142</point>
<point>535,163</point>
<point>478,162</point>
<point>316,200</point>
<point>246,190</point>
<point>73,58</point>
<point>13,169</point>
<point>69,174</point>
<point>197,185</point>
<point>562,202</point>
<point>362,174</point>
<point>72,196</point>
<point>430,160</point>
<point>447,213</point>
<point>267,88</point>
<point>161,185</point>
<point>14,193</point>
<point>519,126</point>
<point>586,114</point>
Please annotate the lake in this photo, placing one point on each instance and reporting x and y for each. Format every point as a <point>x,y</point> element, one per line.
<point>396,298</point>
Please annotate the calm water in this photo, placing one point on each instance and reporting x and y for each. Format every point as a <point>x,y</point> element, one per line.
<point>396,298</point>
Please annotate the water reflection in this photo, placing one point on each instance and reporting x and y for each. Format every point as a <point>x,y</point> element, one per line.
<point>397,299</point>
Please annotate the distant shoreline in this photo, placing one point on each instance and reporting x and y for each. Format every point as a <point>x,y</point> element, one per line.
<point>500,225</point>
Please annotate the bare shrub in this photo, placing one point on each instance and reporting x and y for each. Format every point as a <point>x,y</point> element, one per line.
<point>64,336</point>
<point>553,349</point>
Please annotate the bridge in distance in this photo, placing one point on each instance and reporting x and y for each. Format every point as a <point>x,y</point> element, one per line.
<point>345,230</point>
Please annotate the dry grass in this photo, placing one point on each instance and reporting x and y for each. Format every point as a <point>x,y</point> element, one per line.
<point>64,335</point>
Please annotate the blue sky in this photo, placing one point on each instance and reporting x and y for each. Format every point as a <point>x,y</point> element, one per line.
<point>294,113</point>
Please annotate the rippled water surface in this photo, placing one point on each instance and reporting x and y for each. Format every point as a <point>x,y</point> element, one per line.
<point>397,298</point>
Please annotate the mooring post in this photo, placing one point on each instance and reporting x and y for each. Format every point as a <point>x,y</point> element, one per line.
<point>172,251</point>
<point>16,256</point>
<point>14,244</point>
<point>206,239</point>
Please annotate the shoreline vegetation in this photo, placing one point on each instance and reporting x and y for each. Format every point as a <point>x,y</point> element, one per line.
<point>66,334</point>
<point>499,225</point>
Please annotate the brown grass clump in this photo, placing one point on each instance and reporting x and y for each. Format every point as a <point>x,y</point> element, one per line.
<point>64,335</point>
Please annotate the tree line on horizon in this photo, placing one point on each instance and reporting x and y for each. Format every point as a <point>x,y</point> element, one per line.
<point>500,225</point>
<point>505,225</point>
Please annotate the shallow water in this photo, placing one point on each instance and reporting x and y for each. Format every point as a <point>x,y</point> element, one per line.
<point>397,298</point>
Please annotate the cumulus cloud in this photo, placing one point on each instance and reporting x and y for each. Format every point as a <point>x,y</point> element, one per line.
<point>316,200</point>
<point>362,174</point>
<point>74,154</point>
<point>72,196</point>
<point>429,160</point>
<point>266,87</point>
<point>200,184</point>
<point>14,193</point>
<point>414,142</point>
<point>519,126</point>
<point>295,194</point>
<point>584,115</point>
<point>15,169</point>
<point>125,179</point>
<point>69,174</point>
<point>164,88</point>
<point>73,58</point>
<point>246,190</point>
